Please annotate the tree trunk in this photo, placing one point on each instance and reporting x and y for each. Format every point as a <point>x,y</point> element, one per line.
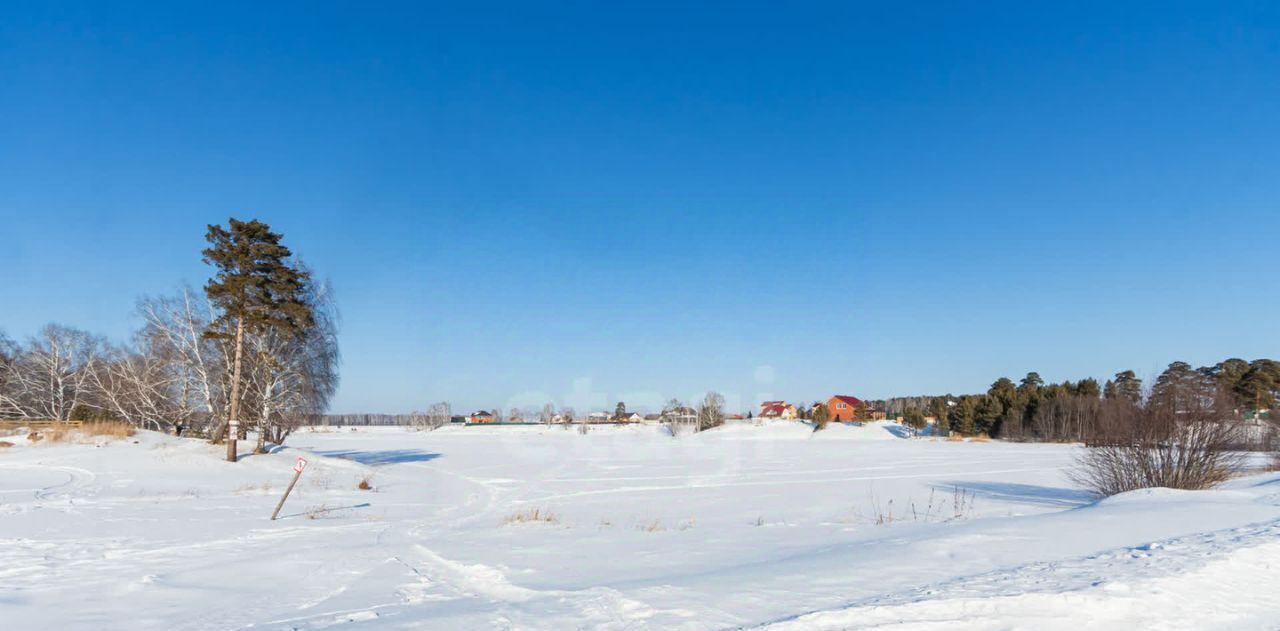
<point>235,390</point>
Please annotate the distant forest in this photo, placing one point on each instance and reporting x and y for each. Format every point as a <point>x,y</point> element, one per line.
<point>1030,409</point>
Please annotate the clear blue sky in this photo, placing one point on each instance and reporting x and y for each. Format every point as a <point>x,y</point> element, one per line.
<point>663,199</point>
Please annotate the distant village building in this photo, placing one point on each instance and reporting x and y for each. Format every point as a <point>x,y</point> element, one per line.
<point>843,407</point>
<point>777,409</point>
<point>680,415</point>
<point>481,417</point>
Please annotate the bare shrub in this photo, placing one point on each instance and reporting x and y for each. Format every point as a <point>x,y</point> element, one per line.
<point>111,429</point>
<point>5,443</point>
<point>1182,445</point>
<point>531,516</point>
<point>366,483</point>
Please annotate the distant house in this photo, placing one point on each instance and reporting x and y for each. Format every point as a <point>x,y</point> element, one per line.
<point>843,407</point>
<point>457,419</point>
<point>599,417</point>
<point>777,409</point>
<point>680,415</point>
<point>481,417</point>
<point>632,417</point>
<point>652,418</point>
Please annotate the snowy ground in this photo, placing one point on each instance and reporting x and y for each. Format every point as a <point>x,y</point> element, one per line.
<point>771,527</point>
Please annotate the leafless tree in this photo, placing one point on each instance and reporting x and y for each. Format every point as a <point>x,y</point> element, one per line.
<point>548,413</point>
<point>10,385</point>
<point>292,376</point>
<point>51,376</point>
<point>140,386</point>
<point>1066,418</point>
<point>711,411</point>
<point>1184,445</point>
<point>439,414</point>
<point>173,329</point>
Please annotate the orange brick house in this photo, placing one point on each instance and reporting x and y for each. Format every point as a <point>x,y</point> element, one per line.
<point>843,407</point>
<point>481,417</point>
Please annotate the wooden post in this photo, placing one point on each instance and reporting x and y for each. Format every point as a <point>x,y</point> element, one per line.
<point>297,473</point>
<point>233,433</point>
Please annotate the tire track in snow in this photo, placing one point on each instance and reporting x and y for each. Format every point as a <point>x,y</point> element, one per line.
<point>77,478</point>
<point>1218,580</point>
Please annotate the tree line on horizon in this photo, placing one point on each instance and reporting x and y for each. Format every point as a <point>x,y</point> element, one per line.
<point>1033,410</point>
<point>258,345</point>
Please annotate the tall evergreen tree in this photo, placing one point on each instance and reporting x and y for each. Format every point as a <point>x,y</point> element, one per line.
<point>1030,385</point>
<point>967,418</point>
<point>914,418</point>
<point>939,410</point>
<point>1127,386</point>
<point>1004,391</point>
<point>1180,386</point>
<point>989,414</point>
<point>821,416</point>
<point>1228,374</point>
<point>255,288</point>
<point>1256,389</point>
<point>1088,388</point>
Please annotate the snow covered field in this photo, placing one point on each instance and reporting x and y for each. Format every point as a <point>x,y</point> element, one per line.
<point>620,528</point>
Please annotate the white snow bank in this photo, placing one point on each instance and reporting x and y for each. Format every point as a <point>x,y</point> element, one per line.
<point>875,430</point>
<point>739,526</point>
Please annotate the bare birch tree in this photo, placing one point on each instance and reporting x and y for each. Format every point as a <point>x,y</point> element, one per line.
<point>51,376</point>
<point>439,414</point>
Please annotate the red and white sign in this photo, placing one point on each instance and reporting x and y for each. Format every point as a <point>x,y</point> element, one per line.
<point>302,464</point>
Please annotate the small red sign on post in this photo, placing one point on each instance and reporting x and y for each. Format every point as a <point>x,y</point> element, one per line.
<point>297,473</point>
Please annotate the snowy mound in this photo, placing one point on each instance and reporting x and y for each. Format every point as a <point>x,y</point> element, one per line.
<point>877,430</point>
<point>766,430</point>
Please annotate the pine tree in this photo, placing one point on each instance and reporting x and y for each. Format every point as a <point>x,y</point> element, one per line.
<point>1256,389</point>
<point>1128,386</point>
<point>1179,386</point>
<point>255,289</point>
<point>1088,388</point>
<point>989,414</point>
<point>914,418</point>
<point>821,416</point>
<point>620,412</point>
<point>963,415</point>
<point>938,410</point>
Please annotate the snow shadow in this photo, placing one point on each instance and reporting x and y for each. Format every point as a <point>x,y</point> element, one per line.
<point>382,457</point>
<point>323,511</point>
<point>1021,493</point>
